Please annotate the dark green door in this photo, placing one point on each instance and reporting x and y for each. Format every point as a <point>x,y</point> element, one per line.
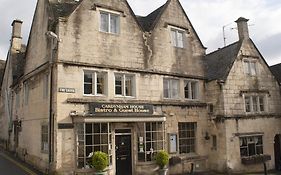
<point>123,155</point>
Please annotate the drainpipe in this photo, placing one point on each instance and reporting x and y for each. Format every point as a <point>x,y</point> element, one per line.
<point>53,43</point>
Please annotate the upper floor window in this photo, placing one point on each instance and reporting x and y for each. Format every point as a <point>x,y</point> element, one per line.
<point>254,104</point>
<point>250,67</point>
<point>191,90</point>
<point>177,38</point>
<point>171,88</point>
<point>124,85</point>
<point>45,86</point>
<point>94,83</point>
<point>251,145</point>
<point>109,22</point>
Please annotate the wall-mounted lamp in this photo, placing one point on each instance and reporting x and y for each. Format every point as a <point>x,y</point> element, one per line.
<point>207,137</point>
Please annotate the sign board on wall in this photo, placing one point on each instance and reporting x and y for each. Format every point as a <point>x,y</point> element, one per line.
<point>120,109</point>
<point>67,90</point>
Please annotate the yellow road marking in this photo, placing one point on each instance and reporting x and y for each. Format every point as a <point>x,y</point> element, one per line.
<point>30,172</point>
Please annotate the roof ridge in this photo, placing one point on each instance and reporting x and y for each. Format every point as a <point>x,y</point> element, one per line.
<point>225,47</point>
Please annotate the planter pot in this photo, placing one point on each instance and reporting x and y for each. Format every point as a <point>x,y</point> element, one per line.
<point>163,171</point>
<point>101,173</point>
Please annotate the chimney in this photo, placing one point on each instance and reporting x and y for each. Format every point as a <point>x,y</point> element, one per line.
<point>16,40</point>
<point>243,31</point>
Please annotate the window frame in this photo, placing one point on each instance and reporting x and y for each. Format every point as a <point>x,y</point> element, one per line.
<point>26,92</point>
<point>94,84</point>
<point>123,85</point>
<point>170,89</point>
<point>81,132</point>
<point>251,142</point>
<point>253,105</point>
<point>44,135</point>
<point>248,69</point>
<point>194,138</point>
<point>191,89</point>
<point>149,130</point>
<point>176,42</point>
<point>110,13</point>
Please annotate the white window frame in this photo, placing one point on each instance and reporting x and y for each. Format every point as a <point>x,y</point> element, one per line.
<point>170,89</point>
<point>250,67</point>
<point>255,103</point>
<point>109,13</point>
<point>253,139</point>
<point>94,82</point>
<point>176,40</point>
<point>193,91</point>
<point>123,84</point>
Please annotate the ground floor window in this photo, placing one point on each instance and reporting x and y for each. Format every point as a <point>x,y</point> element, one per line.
<point>187,137</point>
<point>92,137</point>
<point>150,140</point>
<point>251,145</point>
<point>44,137</point>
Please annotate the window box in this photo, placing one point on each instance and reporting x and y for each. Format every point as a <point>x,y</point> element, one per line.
<point>256,159</point>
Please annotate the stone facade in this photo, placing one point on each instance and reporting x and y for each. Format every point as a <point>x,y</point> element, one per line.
<point>57,121</point>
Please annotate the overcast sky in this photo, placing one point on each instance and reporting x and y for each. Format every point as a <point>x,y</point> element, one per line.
<point>207,16</point>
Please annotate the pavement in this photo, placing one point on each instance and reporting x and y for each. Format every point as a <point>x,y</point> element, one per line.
<point>10,165</point>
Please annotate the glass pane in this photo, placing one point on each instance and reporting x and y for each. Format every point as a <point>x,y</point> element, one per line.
<point>100,83</point>
<point>88,78</point>
<point>175,88</point>
<point>128,86</point>
<point>114,23</point>
<point>174,37</point>
<point>180,39</point>
<point>118,85</point>
<point>89,128</point>
<point>255,104</point>
<point>104,23</point>
<point>80,163</point>
<point>97,128</point>
<point>186,89</point>
<point>104,128</point>
<point>247,67</point>
<point>80,151</point>
<point>247,104</point>
<point>261,104</point>
<point>89,139</point>
<point>253,68</point>
<point>97,139</point>
<point>104,139</point>
<point>194,90</point>
<point>166,88</point>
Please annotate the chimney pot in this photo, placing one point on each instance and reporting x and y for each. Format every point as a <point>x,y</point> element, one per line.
<point>243,30</point>
<point>16,33</point>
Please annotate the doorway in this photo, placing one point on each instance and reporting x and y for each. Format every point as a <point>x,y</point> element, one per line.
<point>123,152</point>
<point>277,152</point>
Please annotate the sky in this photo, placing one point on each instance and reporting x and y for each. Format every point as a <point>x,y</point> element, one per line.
<point>208,17</point>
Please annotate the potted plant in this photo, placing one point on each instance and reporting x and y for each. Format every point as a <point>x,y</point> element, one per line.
<point>162,159</point>
<point>100,162</point>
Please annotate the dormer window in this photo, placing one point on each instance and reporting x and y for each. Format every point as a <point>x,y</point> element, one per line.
<point>250,67</point>
<point>177,37</point>
<point>109,22</point>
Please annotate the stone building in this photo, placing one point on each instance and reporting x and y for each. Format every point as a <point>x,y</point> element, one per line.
<point>94,76</point>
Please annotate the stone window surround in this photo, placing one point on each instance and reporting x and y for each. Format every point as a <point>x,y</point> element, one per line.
<point>191,94</point>
<point>255,141</point>
<point>248,63</point>
<point>109,12</point>
<point>123,84</point>
<point>44,137</point>
<point>193,129</point>
<point>177,30</point>
<point>94,82</point>
<point>258,95</point>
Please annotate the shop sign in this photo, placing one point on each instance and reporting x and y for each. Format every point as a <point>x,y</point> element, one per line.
<point>120,109</point>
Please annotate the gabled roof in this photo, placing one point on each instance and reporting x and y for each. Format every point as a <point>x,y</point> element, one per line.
<point>219,63</point>
<point>63,8</point>
<point>276,71</point>
<point>148,22</point>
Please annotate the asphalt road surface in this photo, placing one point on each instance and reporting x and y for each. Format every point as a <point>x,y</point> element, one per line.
<point>8,166</point>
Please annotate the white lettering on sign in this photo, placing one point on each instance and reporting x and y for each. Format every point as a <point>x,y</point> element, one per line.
<point>67,90</point>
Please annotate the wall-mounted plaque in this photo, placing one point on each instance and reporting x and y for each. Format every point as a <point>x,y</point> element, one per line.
<point>67,90</point>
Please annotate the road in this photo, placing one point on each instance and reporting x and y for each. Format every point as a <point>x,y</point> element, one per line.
<point>8,166</point>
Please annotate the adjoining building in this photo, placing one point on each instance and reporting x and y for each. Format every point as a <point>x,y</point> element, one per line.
<point>96,77</point>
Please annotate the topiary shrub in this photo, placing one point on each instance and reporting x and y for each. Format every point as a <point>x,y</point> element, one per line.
<point>100,161</point>
<point>162,159</point>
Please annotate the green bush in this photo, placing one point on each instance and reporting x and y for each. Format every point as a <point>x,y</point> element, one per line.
<point>162,158</point>
<point>100,161</point>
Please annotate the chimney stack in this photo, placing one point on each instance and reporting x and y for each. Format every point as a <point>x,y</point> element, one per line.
<point>16,40</point>
<point>243,31</point>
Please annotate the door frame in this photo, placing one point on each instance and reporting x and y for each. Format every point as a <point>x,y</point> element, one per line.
<point>132,153</point>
